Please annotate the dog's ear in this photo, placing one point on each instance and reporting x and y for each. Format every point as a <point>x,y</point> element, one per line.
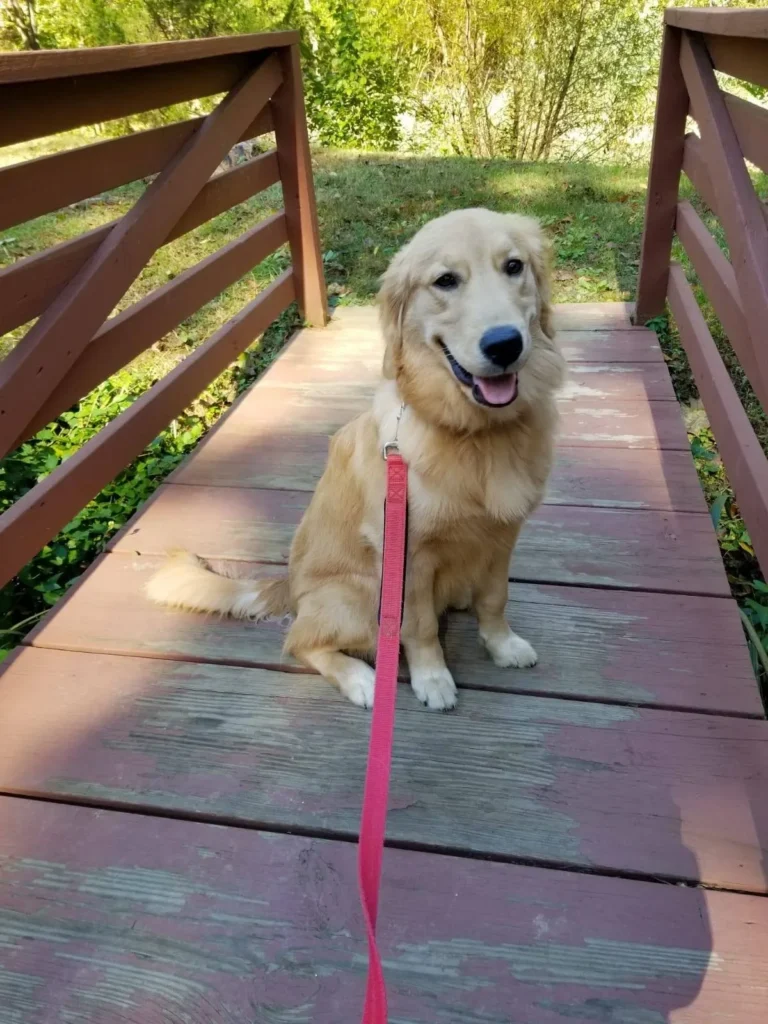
<point>541,261</point>
<point>531,235</point>
<point>394,293</point>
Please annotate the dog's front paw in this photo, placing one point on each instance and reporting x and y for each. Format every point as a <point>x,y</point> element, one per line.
<point>511,651</point>
<point>435,688</point>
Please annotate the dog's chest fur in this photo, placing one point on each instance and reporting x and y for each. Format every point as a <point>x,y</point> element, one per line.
<point>454,480</point>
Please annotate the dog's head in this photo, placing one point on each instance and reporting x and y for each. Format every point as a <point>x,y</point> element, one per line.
<point>467,321</point>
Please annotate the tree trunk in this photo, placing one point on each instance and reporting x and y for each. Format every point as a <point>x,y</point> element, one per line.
<point>554,117</point>
<point>23,17</point>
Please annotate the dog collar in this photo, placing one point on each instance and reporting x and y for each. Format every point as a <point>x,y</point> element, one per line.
<point>393,446</point>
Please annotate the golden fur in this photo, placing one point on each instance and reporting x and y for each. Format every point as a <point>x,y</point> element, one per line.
<point>476,472</point>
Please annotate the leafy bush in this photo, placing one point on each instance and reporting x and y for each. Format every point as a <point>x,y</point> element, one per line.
<point>352,76</point>
<point>741,566</point>
<point>736,548</point>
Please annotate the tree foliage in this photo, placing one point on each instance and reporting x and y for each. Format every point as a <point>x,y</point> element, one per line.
<point>531,78</point>
<point>355,70</point>
<point>355,54</point>
<point>527,79</point>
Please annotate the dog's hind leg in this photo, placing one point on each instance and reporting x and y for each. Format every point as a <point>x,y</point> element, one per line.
<point>332,618</point>
<point>353,677</point>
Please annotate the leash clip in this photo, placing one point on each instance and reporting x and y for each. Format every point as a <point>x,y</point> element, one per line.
<point>393,446</point>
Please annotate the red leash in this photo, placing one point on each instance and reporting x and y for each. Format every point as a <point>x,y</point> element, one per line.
<point>374,817</point>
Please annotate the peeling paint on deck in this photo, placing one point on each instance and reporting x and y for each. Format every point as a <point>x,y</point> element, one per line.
<point>596,964</point>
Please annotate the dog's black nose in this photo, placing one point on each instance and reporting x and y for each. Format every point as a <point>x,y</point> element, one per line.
<point>502,345</point>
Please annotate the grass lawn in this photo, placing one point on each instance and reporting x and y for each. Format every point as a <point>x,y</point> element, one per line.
<point>369,205</point>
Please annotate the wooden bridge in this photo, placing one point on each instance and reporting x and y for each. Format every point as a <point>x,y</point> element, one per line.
<point>580,842</point>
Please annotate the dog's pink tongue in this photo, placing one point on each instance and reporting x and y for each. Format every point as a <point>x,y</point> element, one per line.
<point>498,390</point>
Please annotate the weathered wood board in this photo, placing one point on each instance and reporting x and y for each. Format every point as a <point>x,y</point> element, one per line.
<point>338,370</point>
<point>673,552</point>
<point>636,748</point>
<point>609,477</point>
<point>637,345</point>
<point>623,425</point>
<point>110,918</point>
<point>629,647</point>
<point>569,316</point>
<point>581,335</point>
<point>587,316</point>
<point>605,365</point>
<point>295,412</point>
<point>604,787</point>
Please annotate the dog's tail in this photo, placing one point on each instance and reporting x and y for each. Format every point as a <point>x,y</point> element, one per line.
<point>186,582</point>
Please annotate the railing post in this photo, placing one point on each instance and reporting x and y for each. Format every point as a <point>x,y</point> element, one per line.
<point>663,181</point>
<point>293,156</point>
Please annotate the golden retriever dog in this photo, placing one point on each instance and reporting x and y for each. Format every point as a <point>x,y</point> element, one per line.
<point>470,373</point>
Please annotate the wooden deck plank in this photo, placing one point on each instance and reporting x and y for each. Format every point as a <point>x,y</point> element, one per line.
<point>624,425</point>
<point>618,382</point>
<point>586,316</point>
<point>355,330</point>
<point>111,917</point>
<point>337,369</point>
<point>672,552</point>
<point>588,785</point>
<point>607,477</point>
<point>645,649</point>
<point>607,346</point>
<point>584,422</point>
<point>638,345</point>
<point>569,316</point>
<point>610,477</point>
<point>625,365</point>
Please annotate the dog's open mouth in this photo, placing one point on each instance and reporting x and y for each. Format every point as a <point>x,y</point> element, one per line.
<point>494,391</point>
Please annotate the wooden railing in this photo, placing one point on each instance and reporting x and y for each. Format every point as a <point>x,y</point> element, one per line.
<point>696,42</point>
<point>71,289</point>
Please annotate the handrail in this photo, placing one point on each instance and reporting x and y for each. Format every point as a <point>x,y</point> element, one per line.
<point>741,22</point>
<point>696,43</point>
<point>43,65</point>
<point>72,288</point>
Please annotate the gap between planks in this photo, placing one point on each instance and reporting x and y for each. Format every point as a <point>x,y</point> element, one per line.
<point>619,549</point>
<point>692,641</point>
<point>532,580</point>
<point>558,504</point>
<point>297,669</point>
<point>342,836</point>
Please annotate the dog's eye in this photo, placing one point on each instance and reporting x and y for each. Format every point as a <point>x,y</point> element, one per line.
<point>446,281</point>
<point>513,267</point>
